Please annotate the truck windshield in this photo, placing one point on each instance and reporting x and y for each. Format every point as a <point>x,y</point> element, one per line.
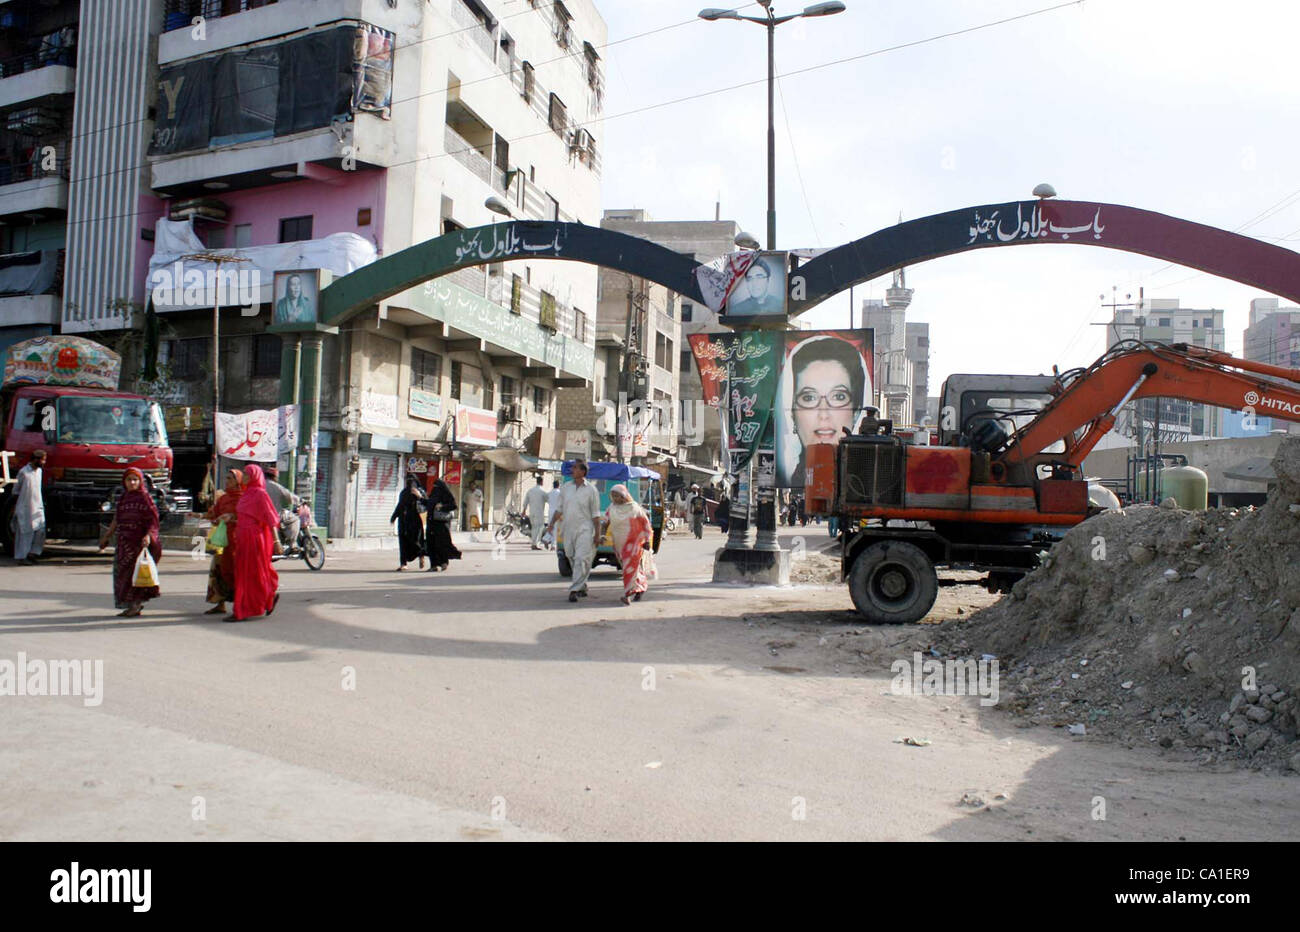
<point>85,419</point>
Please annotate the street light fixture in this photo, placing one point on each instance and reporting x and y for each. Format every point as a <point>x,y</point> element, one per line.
<point>497,206</point>
<point>770,20</point>
<point>746,241</point>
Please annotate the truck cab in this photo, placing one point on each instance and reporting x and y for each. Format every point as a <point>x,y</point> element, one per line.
<point>56,398</point>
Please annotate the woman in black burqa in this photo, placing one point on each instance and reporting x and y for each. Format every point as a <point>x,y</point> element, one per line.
<point>410,532</point>
<point>437,535</point>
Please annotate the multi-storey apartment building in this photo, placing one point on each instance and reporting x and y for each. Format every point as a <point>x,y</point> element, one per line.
<point>1163,320</point>
<point>664,323</point>
<point>323,134</point>
<point>1272,334</point>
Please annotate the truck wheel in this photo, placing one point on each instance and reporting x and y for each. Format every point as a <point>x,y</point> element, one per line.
<point>566,568</point>
<point>894,583</point>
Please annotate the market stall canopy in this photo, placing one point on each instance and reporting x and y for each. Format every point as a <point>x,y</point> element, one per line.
<point>615,471</point>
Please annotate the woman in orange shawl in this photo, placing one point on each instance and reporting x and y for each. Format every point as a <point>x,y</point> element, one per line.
<point>221,573</point>
<point>257,524</point>
<point>630,529</point>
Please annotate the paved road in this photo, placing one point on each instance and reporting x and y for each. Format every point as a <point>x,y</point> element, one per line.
<point>486,706</point>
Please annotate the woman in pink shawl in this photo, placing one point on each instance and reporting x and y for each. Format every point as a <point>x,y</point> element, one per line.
<point>256,525</point>
<point>136,524</point>
<point>630,529</point>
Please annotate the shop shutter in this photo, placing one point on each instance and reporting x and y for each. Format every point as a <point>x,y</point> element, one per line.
<point>377,488</point>
<point>320,502</point>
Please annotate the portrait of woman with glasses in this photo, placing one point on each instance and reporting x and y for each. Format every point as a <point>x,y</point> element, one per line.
<point>825,385</point>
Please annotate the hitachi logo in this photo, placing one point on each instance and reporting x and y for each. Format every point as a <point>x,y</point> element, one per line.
<point>1277,404</point>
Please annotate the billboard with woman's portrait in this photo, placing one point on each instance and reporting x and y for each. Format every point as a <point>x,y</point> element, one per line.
<point>826,381</point>
<point>296,295</point>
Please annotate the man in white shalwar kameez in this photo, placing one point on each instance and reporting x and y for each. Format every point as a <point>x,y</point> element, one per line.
<point>580,512</point>
<point>29,510</point>
<point>535,508</point>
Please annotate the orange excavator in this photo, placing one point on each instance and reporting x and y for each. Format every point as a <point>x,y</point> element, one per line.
<point>1006,480</point>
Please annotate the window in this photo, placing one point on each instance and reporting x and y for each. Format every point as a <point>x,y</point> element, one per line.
<point>516,294</point>
<point>1196,324</point>
<point>451,226</point>
<point>687,311</point>
<point>671,304</point>
<point>1162,322</point>
<point>541,399</point>
<point>217,238</point>
<point>189,359</point>
<point>456,376</point>
<point>1209,322</point>
<point>293,229</point>
<point>266,356</point>
<point>426,371</point>
<point>563,24</point>
<point>508,395</point>
<point>530,81</point>
<point>547,316</point>
<point>685,362</point>
<point>555,208</point>
<point>558,115</point>
<point>507,59</point>
<point>663,351</point>
<point>243,235</point>
<point>489,394</point>
<point>579,326</point>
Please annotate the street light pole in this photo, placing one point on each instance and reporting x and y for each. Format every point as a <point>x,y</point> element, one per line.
<point>770,21</point>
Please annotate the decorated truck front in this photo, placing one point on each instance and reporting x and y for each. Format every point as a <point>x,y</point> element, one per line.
<point>59,394</point>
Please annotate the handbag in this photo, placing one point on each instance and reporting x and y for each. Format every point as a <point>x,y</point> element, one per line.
<point>218,538</point>
<point>146,571</point>
<point>441,516</point>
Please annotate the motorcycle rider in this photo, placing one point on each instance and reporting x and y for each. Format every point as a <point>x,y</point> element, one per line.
<point>287,504</point>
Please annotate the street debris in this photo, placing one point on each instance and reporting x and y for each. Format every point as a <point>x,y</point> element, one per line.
<point>914,742</point>
<point>1195,614</point>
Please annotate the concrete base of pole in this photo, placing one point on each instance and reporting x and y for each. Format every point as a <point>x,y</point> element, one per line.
<point>752,567</point>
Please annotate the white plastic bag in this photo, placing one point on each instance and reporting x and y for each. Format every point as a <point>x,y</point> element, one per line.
<point>146,570</point>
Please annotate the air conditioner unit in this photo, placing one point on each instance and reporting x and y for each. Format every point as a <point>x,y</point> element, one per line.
<point>512,413</point>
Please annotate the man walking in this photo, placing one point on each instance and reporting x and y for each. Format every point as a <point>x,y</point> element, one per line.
<point>552,506</point>
<point>29,510</point>
<point>535,508</point>
<point>580,512</point>
<point>698,510</point>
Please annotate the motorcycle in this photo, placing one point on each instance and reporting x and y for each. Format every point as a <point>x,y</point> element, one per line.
<point>513,518</point>
<point>307,545</point>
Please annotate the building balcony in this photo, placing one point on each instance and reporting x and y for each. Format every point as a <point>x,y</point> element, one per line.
<point>31,285</point>
<point>30,310</point>
<point>369,139</point>
<point>230,23</point>
<point>32,193</point>
<point>38,83</point>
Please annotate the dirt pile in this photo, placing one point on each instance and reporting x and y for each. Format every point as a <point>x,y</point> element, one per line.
<point>1162,625</point>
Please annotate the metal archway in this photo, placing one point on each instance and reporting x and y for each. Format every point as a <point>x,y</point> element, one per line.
<point>1113,226</point>
<point>501,242</point>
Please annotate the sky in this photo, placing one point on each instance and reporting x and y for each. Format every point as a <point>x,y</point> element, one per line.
<point>1183,107</point>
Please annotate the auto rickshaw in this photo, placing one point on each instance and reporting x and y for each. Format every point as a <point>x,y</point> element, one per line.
<point>646,487</point>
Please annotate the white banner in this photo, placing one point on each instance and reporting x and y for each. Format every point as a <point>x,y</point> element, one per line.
<point>379,410</point>
<point>720,277</point>
<point>253,437</point>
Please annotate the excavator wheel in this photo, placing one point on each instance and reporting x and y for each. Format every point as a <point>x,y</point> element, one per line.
<point>893,582</point>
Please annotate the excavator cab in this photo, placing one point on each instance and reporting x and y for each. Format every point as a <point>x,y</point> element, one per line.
<point>983,411</point>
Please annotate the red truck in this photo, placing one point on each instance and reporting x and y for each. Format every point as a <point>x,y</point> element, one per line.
<point>59,394</point>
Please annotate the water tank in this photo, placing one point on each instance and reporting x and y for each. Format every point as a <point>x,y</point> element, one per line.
<point>1186,484</point>
<point>1102,497</point>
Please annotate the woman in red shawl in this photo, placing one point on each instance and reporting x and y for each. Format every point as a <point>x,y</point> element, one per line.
<point>221,574</point>
<point>136,525</point>
<point>633,536</point>
<point>257,524</point>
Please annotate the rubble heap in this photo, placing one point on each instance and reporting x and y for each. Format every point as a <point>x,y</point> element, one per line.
<point>1155,624</point>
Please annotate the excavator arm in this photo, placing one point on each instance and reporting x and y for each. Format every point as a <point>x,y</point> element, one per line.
<point>1088,404</point>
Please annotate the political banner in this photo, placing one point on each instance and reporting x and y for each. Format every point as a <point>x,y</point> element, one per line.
<point>781,391</point>
<point>252,436</point>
